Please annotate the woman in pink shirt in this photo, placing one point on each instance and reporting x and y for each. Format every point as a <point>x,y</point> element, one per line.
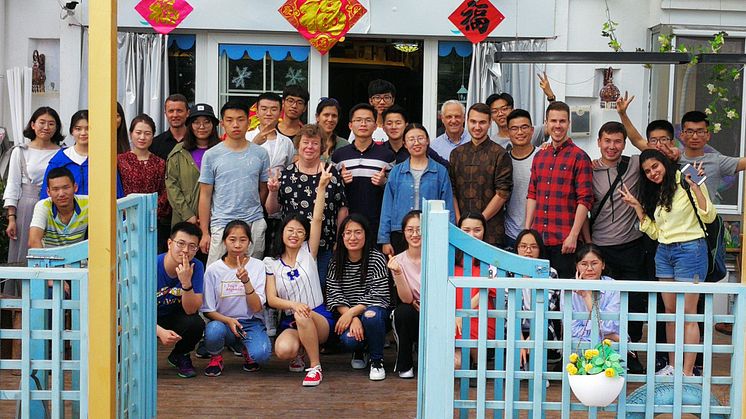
<point>406,269</point>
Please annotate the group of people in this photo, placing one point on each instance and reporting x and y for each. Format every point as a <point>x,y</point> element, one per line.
<point>289,230</point>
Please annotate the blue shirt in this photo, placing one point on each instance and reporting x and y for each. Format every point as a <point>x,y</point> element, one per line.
<point>398,197</point>
<point>608,302</point>
<point>79,171</point>
<point>169,289</point>
<point>443,145</point>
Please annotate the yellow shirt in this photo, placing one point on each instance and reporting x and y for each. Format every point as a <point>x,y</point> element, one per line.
<point>680,224</point>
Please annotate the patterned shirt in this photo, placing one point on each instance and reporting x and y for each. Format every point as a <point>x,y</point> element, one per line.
<point>298,193</point>
<point>145,176</point>
<point>350,289</point>
<point>57,233</point>
<point>478,173</point>
<point>561,179</point>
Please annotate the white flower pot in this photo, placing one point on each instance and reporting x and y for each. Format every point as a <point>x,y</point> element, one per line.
<point>596,390</point>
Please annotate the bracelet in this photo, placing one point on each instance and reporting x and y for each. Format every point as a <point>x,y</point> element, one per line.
<point>188,289</point>
<point>551,99</point>
<point>249,293</point>
<point>11,215</point>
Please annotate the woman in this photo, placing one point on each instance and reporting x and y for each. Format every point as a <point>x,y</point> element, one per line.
<point>233,300</point>
<point>327,117</point>
<point>28,163</point>
<point>141,170</point>
<point>75,158</point>
<point>416,178</point>
<point>123,141</point>
<point>293,287</point>
<point>667,214</point>
<point>185,162</point>
<point>406,268</point>
<point>358,291</point>
<point>589,264</point>
<point>294,191</point>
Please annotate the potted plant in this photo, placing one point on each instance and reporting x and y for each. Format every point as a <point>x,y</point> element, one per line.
<point>596,378</point>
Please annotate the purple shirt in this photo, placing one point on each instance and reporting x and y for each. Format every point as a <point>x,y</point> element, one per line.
<point>197,154</point>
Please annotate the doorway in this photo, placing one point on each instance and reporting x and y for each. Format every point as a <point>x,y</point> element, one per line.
<point>356,61</point>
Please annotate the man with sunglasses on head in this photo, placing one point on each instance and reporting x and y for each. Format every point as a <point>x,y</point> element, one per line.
<point>381,96</point>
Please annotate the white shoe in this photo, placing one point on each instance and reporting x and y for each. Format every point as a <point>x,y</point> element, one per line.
<point>665,371</point>
<point>377,373</point>
<point>359,361</point>
<point>407,374</point>
<point>546,383</point>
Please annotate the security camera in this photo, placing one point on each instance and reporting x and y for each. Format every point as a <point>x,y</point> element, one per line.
<point>71,5</point>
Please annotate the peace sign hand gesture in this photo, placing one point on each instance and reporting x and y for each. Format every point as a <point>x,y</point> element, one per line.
<point>544,84</point>
<point>273,183</point>
<point>241,273</point>
<point>326,176</point>
<point>628,197</point>
<point>623,103</point>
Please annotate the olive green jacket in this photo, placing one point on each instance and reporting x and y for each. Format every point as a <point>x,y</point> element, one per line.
<point>182,184</point>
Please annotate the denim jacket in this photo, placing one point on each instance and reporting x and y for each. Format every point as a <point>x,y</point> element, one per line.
<point>398,197</point>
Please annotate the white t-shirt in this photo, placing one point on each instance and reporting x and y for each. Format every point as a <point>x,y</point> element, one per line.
<point>225,294</point>
<point>78,159</point>
<point>36,164</point>
<point>281,150</point>
<point>297,283</point>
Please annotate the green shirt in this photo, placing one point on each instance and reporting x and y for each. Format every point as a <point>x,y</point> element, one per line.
<point>57,233</point>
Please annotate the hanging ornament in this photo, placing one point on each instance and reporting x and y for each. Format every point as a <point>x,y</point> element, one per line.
<point>476,19</point>
<point>609,93</point>
<point>322,22</point>
<point>164,15</point>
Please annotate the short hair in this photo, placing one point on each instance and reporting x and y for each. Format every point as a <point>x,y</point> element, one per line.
<point>59,172</point>
<point>57,137</point>
<point>233,105</point>
<point>379,87</point>
<point>612,127</point>
<point>187,228</point>
<point>177,97</point>
<point>558,106</point>
<point>297,91</point>
<point>398,109</point>
<point>659,124</point>
<point>77,117</point>
<point>694,116</point>
<point>143,117</point>
<point>519,113</point>
<point>312,131</point>
<point>504,96</point>
<point>480,108</point>
<point>326,103</point>
<point>365,106</point>
<point>271,96</point>
<point>452,102</point>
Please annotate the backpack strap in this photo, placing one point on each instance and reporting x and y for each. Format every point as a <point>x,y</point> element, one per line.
<point>694,206</point>
<point>621,170</point>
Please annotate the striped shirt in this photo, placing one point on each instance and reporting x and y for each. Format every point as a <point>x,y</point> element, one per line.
<point>299,283</point>
<point>57,233</point>
<point>350,289</point>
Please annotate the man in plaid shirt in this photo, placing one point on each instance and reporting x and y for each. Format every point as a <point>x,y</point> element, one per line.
<point>560,192</point>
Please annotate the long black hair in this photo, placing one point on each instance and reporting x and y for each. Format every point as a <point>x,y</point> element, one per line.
<point>279,247</point>
<point>537,237</point>
<point>190,139</point>
<point>341,255</point>
<point>653,194</point>
<point>123,140</point>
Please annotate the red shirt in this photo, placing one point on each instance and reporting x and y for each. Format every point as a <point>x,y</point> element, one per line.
<point>458,270</point>
<point>145,176</point>
<point>561,179</point>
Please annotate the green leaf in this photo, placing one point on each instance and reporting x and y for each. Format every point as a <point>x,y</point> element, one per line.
<point>595,370</point>
<point>598,361</point>
<point>614,357</point>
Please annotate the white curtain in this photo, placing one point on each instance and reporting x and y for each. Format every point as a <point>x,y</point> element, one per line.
<point>19,94</point>
<point>484,76</point>
<point>521,81</point>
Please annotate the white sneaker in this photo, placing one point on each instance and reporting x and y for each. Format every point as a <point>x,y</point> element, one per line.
<point>407,374</point>
<point>359,361</point>
<point>665,371</point>
<point>546,383</point>
<point>377,373</point>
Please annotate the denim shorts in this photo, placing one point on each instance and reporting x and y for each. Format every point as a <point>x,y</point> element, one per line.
<point>682,261</point>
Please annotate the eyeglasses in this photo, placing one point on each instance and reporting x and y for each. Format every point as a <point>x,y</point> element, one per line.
<point>382,98</point>
<point>413,231</point>
<point>181,244</point>
<point>700,132</point>
<point>294,102</point>
<point>202,124</point>
<point>656,140</point>
<point>420,139</point>
<point>524,128</point>
<point>48,124</point>
<point>595,264</point>
<point>299,233</point>
<point>366,121</point>
<point>531,247</point>
<point>503,109</point>
<point>357,233</point>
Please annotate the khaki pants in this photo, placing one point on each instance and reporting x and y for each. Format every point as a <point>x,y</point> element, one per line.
<point>256,248</point>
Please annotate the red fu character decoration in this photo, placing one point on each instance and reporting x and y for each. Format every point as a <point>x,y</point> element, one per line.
<point>476,19</point>
<point>164,15</point>
<point>322,22</point>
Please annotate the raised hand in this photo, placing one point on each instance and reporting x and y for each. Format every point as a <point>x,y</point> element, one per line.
<point>273,183</point>
<point>628,197</point>
<point>700,171</point>
<point>544,84</point>
<point>241,273</point>
<point>379,179</point>
<point>184,272</point>
<point>326,176</point>
<point>673,153</point>
<point>623,103</point>
<point>394,266</point>
<point>346,174</point>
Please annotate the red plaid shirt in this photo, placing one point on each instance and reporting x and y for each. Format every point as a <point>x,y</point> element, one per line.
<point>561,180</point>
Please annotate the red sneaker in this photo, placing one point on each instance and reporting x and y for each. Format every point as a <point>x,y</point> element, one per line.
<point>313,377</point>
<point>215,367</point>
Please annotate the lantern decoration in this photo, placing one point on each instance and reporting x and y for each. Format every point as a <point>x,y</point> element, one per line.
<point>322,22</point>
<point>476,19</point>
<point>609,93</point>
<point>164,15</point>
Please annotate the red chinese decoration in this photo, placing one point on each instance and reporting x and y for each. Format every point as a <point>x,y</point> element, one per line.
<point>476,19</point>
<point>322,22</point>
<point>164,15</point>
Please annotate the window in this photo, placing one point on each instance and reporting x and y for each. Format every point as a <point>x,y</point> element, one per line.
<point>454,64</point>
<point>181,65</point>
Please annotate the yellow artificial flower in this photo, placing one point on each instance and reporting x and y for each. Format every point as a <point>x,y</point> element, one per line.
<point>588,367</point>
<point>572,369</point>
<point>588,354</point>
<point>573,358</point>
<point>610,372</point>
<point>596,352</point>
<point>607,342</point>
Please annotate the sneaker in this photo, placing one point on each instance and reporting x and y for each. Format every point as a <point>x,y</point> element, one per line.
<point>377,373</point>
<point>235,347</point>
<point>183,364</point>
<point>201,351</point>
<point>546,383</point>
<point>665,371</point>
<point>249,364</point>
<point>359,361</point>
<point>215,367</point>
<point>297,364</point>
<point>633,363</point>
<point>407,374</point>
<point>313,377</point>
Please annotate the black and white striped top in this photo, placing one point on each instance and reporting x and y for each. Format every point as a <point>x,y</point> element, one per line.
<point>350,290</point>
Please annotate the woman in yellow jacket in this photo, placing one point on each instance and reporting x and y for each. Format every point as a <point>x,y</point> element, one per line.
<point>667,215</point>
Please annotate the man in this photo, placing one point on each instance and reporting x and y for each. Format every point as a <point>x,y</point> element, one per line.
<point>659,133</point>
<point>177,111</point>
<point>363,166</point>
<point>501,104</point>
<point>481,175</point>
<point>452,114</point>
<point>233,185</point>
<point>560,192</point>
<point>179,296</point>
<point>61,219</point>
<point>381,96</point>
<point>294,104</point>
<point>394,122</point>
<point>522,154</point>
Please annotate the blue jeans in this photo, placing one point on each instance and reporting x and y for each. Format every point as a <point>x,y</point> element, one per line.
<point>218,334</point>
<point>374,328</point>
<point>322,261</point>
<point>682,261</point>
